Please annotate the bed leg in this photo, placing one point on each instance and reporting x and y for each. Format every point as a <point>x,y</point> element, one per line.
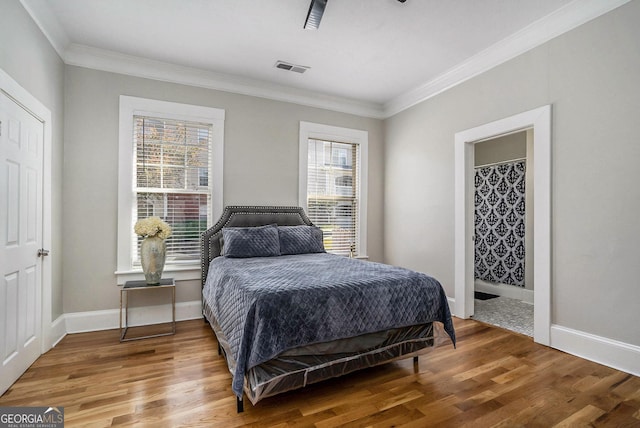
<point>416,366</point>
<point>239,404</point>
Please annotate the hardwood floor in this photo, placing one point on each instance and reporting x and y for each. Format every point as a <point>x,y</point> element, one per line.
<point>494,378</point>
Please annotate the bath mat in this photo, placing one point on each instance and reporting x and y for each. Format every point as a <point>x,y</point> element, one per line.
<point>483,296</point>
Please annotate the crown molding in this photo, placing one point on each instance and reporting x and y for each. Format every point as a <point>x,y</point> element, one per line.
<point>562,20</point>
<point>566,18</point>
<point>101,59</point>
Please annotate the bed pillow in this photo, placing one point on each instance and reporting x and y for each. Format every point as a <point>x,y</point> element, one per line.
<point>261,241</point>
<point>300,240</point>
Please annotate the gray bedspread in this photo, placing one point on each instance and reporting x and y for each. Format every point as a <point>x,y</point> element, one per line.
<point>266,305</point>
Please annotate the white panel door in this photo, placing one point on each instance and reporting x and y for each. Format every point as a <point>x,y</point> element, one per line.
<point>21,167</point>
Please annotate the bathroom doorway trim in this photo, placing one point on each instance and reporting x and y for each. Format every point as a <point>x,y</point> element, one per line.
<point>539,120</point>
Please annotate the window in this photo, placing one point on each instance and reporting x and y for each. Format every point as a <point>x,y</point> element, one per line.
<point>170,167</point>
<point>171,181</point>
<point>333,171</point>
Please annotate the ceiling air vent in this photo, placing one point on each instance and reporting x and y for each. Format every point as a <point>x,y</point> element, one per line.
<point>291,67</point>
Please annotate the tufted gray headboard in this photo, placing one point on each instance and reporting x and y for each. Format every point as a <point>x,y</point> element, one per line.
<point>240,216</point>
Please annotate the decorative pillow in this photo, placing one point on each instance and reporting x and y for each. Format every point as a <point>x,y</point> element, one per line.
<point>300,240</point>
<point>261,241</point>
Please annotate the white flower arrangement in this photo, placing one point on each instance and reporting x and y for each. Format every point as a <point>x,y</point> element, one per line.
<point>152,226</point>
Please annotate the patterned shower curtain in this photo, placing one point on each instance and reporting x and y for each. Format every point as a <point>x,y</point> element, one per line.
<point>500,223</point>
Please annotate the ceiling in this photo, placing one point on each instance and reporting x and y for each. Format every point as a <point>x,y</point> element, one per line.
<point>369,57</point>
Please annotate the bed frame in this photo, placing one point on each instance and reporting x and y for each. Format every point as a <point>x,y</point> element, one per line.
<point>248,216</point>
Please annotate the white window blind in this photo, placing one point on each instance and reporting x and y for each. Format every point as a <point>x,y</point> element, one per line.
<point>172,170</point>
<point>332,193</point>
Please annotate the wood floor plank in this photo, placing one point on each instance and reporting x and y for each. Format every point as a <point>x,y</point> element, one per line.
<point>494,378</point>
<point>583,417</point>
<point>347,414</point>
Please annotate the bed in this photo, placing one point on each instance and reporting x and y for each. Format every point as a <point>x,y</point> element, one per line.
<point>287,314</point>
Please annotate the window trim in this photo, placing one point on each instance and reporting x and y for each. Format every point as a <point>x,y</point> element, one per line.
<point>341,135</point>
<point>130,106</point>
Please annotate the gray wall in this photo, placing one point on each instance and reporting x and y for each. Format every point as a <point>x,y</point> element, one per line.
<point>501,149</point>
<point>590,76</point>
<point>27,56</point>
<point>260,167</point>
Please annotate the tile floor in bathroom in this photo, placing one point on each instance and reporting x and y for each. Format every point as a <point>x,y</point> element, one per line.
<point>511,314</point>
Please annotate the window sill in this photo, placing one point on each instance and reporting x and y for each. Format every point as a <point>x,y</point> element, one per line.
<point>177,272</point>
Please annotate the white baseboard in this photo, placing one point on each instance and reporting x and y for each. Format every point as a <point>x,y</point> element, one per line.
<point>452,304</point>
<point>58,331</point>
<point>505,290</point>
<point>612,353</point>
<point>80,322</point>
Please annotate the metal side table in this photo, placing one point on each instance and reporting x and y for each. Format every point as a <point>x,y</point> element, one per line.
<point>143,286</point>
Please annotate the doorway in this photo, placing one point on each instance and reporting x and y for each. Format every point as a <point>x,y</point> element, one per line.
<point>503,231</point>
<point>539,120</point>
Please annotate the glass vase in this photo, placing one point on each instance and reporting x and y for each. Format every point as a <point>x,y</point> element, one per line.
<point>152,256</point>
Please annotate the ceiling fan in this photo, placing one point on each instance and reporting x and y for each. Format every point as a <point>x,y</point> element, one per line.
<point>314,16</point>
